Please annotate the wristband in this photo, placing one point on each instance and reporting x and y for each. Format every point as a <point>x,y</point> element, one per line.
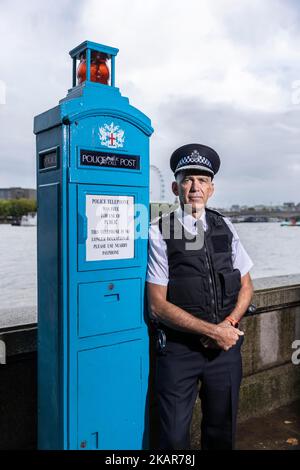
<point>232,321</point>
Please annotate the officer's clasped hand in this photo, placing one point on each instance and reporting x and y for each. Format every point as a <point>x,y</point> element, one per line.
<point>226,335</point>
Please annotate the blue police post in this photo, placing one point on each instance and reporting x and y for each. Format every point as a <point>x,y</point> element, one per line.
<point>93,351</point>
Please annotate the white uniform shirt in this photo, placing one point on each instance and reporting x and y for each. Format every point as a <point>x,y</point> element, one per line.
<point>158,266</point>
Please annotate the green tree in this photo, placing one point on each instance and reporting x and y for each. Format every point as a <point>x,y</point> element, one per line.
<point>19,207</point>
<point>4,207</point>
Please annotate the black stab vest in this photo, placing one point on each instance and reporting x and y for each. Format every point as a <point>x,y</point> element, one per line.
<point>202,281</point>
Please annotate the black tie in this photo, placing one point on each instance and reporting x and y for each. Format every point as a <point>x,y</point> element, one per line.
<point>199,226</point>
<point>198,242</point>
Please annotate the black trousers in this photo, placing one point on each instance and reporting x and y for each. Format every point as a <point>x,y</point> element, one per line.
<point>179,368</point>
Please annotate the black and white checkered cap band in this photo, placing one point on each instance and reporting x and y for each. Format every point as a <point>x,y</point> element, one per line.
<point>194,160</point>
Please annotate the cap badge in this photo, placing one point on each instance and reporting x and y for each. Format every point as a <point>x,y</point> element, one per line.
<point>194,159</point>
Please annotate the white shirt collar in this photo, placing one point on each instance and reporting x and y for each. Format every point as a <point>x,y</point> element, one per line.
<point>188,221</point>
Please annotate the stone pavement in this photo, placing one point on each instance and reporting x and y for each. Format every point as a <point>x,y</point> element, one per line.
<point>277,430</point>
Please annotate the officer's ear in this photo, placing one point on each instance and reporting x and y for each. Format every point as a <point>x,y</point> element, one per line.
<point>211,189</point>
<point>175,188</point>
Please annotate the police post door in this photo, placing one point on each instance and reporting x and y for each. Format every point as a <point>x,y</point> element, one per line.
<point>93,184</point>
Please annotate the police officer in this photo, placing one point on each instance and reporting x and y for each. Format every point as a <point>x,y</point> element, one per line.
<point>199,287</point>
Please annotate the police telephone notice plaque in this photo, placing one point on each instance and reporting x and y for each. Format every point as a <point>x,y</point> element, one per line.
<point>110,227</point>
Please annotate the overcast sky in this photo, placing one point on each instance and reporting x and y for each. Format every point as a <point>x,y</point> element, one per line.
<point>225,73</point>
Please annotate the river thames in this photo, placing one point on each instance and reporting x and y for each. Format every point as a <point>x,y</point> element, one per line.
<point>274,250</point>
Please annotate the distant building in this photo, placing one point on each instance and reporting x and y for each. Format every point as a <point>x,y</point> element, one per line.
<point>17,193</point>
<point>289,205</point>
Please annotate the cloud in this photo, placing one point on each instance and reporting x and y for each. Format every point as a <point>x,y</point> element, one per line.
<point>222,51</point>
<point>36,72</point>
<point>259,152</point>
<point>219,72</point>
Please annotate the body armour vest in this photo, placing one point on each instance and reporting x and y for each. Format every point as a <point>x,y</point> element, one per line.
<point>201,281</point>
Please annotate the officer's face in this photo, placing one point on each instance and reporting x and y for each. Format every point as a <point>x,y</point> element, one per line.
<point>193,189</point>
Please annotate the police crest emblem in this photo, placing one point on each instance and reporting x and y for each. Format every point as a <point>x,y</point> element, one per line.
<point>112,136</point>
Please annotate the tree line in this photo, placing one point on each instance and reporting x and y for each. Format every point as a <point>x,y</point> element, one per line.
<point>16,207</point>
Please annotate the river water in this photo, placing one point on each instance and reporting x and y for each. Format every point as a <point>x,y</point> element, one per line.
<point>274,250</point>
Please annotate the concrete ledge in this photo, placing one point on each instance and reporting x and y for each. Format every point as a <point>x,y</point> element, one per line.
<point>268,338</point>
<point>19,340</point>
<point>276,298</point>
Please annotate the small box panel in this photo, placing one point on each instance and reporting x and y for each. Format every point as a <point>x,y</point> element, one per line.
<point>110,306</point>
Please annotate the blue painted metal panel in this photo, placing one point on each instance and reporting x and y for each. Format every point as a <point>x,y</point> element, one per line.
<point>48,317</point>
<point>93,339</point>
<point>111,375</point>
<point>95,47</point>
